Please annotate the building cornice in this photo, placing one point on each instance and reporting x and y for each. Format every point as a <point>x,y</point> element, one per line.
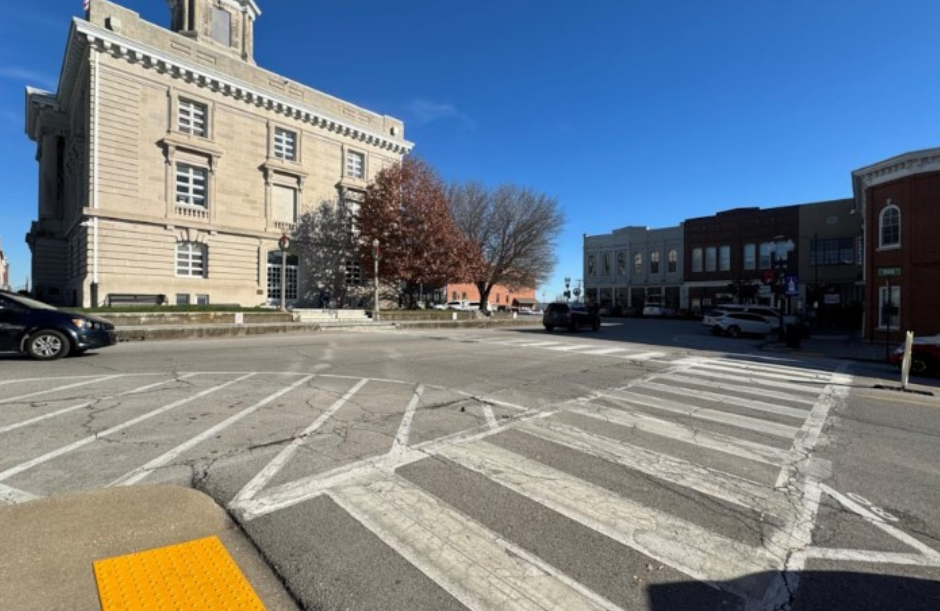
<point>84,34</point>
<point>916,162</point>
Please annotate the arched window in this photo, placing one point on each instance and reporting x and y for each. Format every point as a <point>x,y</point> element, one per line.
<point>191,259</point>
<point>654,262</point>
<point>673,261</point>
<point>592,265</point>
<point>606,264</point>
<point>889,227</point>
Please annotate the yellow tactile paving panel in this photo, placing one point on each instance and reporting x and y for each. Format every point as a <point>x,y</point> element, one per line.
<point>198,575</point>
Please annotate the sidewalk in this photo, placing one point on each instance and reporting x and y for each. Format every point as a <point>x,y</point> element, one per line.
<point>49,547</point>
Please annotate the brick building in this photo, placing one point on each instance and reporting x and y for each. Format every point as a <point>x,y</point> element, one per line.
<point>899,200</point>
<point>170,164</point>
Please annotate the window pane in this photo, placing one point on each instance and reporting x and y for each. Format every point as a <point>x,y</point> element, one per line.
<point>190,259</point>
<point>890,227</point>
<point>696,259</point>
<point>724,259</point>
<point>285,144</point>
<point>355,163</point>
<point>191,185</point>
<point>765,250</point>
<point>711,259</point>
<point>750,256</point>
<point>673,261</point>
<point>192,117</point>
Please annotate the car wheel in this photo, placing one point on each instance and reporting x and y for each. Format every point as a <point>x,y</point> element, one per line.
<point>734,331</point>
<point>921,366</point>
<point>47,345</point>
<point>549,328</point>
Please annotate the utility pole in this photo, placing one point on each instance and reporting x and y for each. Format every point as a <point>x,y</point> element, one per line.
<point>375,277</point>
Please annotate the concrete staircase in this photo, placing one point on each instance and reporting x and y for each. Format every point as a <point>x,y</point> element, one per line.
<point>339,319</point>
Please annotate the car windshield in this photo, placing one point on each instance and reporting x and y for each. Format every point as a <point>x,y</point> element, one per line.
<point>30,303</point>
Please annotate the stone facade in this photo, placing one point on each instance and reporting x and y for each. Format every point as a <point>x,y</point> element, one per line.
<point>170,164</point>
<point>635,266</point>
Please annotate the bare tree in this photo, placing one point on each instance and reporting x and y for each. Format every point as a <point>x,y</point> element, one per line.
<point>406,209</point>
<point>513,229</point>
<point>325,240</point>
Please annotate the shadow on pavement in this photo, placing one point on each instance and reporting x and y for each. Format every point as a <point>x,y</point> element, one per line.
<point>816,591</point>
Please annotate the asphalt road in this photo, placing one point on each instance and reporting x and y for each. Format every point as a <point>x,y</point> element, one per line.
<point>648,466</point>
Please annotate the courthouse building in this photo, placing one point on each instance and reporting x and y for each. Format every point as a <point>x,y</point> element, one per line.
<point>170,164</point>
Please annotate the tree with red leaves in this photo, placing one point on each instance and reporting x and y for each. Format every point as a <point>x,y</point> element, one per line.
<point>406,209</point>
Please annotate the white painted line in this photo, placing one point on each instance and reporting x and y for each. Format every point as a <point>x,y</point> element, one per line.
<point>718,484</point>
<point>404,429</point>
<point>516,342</point>
<point>157,384</point>
<point>11,427</point>
<point>643,356</point>
<point>742,448</point>
<point>292,493</point>
<point>141,472</point>
<point>567,347</point>
<point>744,422</point>
<point>490,416</point>
<point>14,496</point>
<point>496,402</point>
<point>791,370</point>
<point>605,351</point>
<point>114,429</point>
<point>871,556</point>
<point>748,390</point>
<point>52,379</point>
<point>540,344</point>
<point>61,388</point>
<point>811,389</point>
<point>695,551</point>
<point>751,374</point>
<point>758,406</point>
<point>473,564</point>
<point>261,479</point>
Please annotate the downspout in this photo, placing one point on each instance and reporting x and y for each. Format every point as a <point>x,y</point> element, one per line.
<point>94,188</point>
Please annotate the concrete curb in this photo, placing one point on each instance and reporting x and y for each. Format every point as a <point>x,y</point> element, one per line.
<point>49,545</point>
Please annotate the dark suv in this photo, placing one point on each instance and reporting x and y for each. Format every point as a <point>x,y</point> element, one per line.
<point>570,316</point>
<point>45,333</point>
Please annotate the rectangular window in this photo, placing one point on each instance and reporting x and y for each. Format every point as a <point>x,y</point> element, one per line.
<point>191,118</point>
<point>284,201</point>
<point>221,26</point>
<point>637,263</point>
<point>889,310</point>
<point>191,185</point>
<point>182,299</point>
<point>835,251</point>
<point>724,259</point>
<point>750,256</point>
<point>711,259</point>
<point>191,259</point>
<point>285,144</point>
<point>765,259</point>
<point>353,273</point>
<point>202,300</point>
<point>355,164</point>
<point>696,259</point>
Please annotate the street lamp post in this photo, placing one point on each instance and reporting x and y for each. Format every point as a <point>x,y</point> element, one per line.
<point>375,278</point>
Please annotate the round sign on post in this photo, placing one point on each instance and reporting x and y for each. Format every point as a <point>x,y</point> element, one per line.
<point>284,242</point>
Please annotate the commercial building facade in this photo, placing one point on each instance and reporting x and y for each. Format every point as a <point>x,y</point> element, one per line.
<point>170,164</point>
<point>633,266</point>
<point>898,198</point>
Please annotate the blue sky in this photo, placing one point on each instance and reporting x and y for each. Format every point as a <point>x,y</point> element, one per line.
<point>629,112</point>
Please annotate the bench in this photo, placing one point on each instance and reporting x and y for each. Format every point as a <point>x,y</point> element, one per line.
<point>135,299</point>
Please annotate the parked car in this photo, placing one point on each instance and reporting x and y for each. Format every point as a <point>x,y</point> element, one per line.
<point>925,355</point>
<point>652,310</point>
<point>736,324</point>
<point>570,316</point>
<point>45,333</point>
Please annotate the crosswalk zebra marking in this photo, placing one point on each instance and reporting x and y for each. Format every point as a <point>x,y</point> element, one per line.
<point>751,404</point>
<point>480,569</point>
<point>737,388</point>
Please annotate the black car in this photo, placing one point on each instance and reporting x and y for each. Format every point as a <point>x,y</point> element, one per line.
<point>571,316</point>
<point>45,333</point>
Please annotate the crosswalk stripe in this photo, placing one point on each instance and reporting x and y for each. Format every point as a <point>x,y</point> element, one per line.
<point>758,406</point>
<point>746,373</point>
<point>643,356</point>
<point>539,344</point>
<point>114,429</point>
<point>744,422</point>
<point>603,351</point>
<point>566,347</point>
<point>813,389</point>
<point>771,368</point>
<point>261,479</point>
<point>695,551</point>
<point>143,471</point>
<point>750,390</point>
<point>472,563</point>
<point>724,486</point>
<point>742,448</point>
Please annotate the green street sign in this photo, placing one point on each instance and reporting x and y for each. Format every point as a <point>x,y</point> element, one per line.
<point>889,271</point>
